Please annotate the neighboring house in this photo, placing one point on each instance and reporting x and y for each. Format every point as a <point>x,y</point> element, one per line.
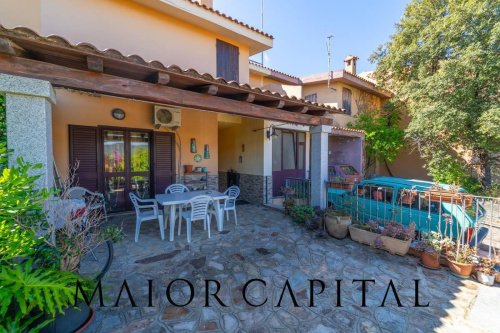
<point>353,93</point>
<point>83,80</point>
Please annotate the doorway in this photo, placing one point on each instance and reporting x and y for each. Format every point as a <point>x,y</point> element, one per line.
<point>126,156</point>
<point>289,151</point>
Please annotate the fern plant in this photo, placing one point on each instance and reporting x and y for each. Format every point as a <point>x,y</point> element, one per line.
<point>28,289</point>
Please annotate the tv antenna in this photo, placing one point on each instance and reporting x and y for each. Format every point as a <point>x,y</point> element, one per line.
<point>329,52</point>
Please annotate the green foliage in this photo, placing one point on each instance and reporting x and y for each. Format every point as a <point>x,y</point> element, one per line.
<point>18,323</point>
<point>20,199</point>
<point>443,64</point>
<point>383,135</point>
<point>113,233</point>
<point>301,213</point>
<point>49,291</point>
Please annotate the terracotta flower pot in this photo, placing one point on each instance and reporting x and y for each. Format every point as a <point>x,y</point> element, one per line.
<point>429,260</point>
<point>460,269</point>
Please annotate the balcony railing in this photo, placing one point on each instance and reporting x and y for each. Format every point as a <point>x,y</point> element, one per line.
<point>430,210</point>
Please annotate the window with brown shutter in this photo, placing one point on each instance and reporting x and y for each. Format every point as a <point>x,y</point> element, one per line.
<point>227,61</point>
<point>83,151</point>
<point>346,100</point>
<point>164,160</point>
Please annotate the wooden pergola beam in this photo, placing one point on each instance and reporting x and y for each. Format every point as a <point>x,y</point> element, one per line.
<point>95,64</point>
<point>249,98</point>
<point>9,47</point>
<point>278,104</point>
<point>161,78</point>
<point>61,76</point>
<point>209,89</point>
<point>298,109</point>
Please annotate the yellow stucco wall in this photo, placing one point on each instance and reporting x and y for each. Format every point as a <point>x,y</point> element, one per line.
<point>75,108</point>
<point>15,13</point>
<point>334,97</point>
<point>125,26</point>
<point>232,138</point>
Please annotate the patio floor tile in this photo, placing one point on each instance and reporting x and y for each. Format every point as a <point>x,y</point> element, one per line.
<point>267,245</point>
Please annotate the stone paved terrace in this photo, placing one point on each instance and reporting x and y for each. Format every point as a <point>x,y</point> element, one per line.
<point>267,245</point>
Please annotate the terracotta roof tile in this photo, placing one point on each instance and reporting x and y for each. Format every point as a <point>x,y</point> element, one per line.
<point>272,69</point>
<point>26,33</point>
<point>194,2</point>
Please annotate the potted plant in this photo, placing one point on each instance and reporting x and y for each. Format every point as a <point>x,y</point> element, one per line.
<point>365,233</point>
<point>485,271</point>
<point>300,214</point>
<point>461,261</point>
<point>337,222</point>
<point>396,238</point>
<point>33,290</point>
<point>288,204</point>
<point>451,195</point>
<point>430,247</point>
<point>340,183</point>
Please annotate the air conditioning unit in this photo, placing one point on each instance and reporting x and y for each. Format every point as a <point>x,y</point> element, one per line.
<point>166,116</point>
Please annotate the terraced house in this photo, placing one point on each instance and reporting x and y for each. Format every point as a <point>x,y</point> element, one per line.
<point>144,93</point>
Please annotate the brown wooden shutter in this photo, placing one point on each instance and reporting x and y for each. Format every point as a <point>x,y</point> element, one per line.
<point>164,160</point>
<point>346,100</point>
<point>83,150</point>
<point>228,65</point>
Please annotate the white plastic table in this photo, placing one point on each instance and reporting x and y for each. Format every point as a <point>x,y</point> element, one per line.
<point>172,200</point>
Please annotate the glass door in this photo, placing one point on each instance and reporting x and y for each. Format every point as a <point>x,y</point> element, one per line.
<point>288,158</point>
<point>126,162</point>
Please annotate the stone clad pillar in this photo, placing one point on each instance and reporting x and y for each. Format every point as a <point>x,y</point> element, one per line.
<point>319,164</point>
<point>28,104</point>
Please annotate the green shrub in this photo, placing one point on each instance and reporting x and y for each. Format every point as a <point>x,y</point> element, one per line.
<point>301,213</point>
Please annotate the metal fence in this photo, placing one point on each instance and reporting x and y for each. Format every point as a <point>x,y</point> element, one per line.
<point>430,210</point>
<point>301,189</point>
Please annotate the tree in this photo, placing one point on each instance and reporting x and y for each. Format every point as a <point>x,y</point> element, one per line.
<point>443,64</point>
<point>383,135</point>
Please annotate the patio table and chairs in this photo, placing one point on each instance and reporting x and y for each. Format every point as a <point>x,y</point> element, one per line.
<point>146,210</point>
<point>180,199</point>
<point>232,193</point>
<point>95,200</point>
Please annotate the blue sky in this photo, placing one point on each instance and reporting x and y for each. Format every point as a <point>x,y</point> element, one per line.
<point>300,28</point>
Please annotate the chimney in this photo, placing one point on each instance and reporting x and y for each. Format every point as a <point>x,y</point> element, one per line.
<point>350,64</point>
<point>207,3</point>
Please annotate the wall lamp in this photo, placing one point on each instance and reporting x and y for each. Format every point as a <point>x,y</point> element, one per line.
<point>270,132</point>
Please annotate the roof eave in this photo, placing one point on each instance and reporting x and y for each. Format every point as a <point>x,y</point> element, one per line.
<point>213,21</point>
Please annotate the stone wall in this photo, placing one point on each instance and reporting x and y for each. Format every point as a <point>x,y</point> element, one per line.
<point>213,182</point>
<point>252,187</point>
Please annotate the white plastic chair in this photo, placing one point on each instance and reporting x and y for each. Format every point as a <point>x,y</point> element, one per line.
<point>152,213</point>
<point>95,199</point>
<point>199,211</point>
<point>233,193</point>
<point>176,188</point>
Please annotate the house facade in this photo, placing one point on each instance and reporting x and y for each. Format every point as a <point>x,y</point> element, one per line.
<point>92,84</point>
<point>353,93</point>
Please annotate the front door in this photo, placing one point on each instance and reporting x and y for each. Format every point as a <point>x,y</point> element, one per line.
<point>127,166</point>
<point>288,158</point>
